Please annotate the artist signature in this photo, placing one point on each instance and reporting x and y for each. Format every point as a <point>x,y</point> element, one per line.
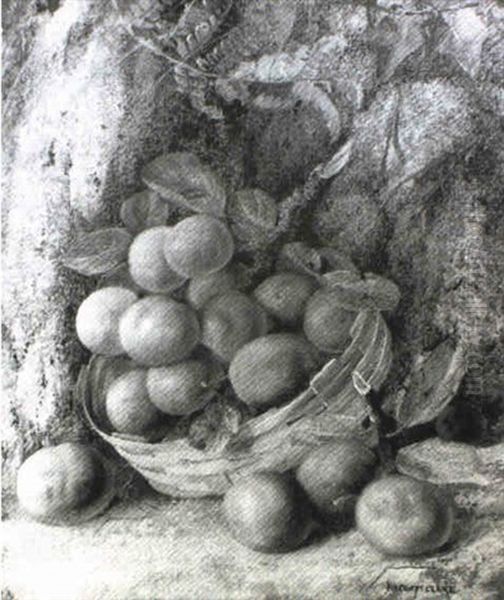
<point>413,580</point>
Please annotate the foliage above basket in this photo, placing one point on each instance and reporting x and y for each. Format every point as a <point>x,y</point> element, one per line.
<point>270,54</point>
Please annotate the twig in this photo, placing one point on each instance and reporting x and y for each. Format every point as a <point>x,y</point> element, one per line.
<point>385,448</point>
<point>431,9</point>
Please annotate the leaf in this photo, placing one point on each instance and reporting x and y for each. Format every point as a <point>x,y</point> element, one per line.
<point>434,381</point>
<point>408,129</point>
<point>199,90</point>
<point>337,163</point>
<point>143,210</point>
<point>254,207</point>
<point>183,179</point>
<point>350,20</point>
<point>464,38</point>
<point>357,293</point>
<point>299,258</point>
<point>119,276</point>
<point>333,260</point>
<point>341,68</point>
<point>264,27</point>
<point>305,63</point>
<point>404,37</point>
<point>313,96</point>
<point>253,217</point>
<point>218,423</point>
<point>441,462</point>
<point>197,25</point>
<point>97,252</point>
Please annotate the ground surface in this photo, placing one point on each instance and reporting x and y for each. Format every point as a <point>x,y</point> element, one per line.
<point>153,548</point>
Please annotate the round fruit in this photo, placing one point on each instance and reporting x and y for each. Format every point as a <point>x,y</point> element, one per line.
<point>202,288</point>
<point>265,512</point>
<point>401,516</point>
<point>66,482</point>
<point>128,406</point>
<point>333,474</point>
<point>179,389</point>
<point>229,321</point>
<point>199,245</point>
<point>326,323</point>
<point>272,368</point>
<point>157,330</point>
<point>147,262</point>
<point>97,320</point>
<point>284,296</point>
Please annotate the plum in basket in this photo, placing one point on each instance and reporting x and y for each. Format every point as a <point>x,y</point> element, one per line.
<point>199,245</point>
<point>97,320</point>
<point>284,296</point>
<point>229,321</point>
<point>157,330</point>
<point>147,263</point>
<point>128,406</point>
<point>272,368</point>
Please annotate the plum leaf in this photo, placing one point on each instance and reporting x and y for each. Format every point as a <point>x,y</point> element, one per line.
<point>441,462</point>
<point>433,383</point>
<point>253,207</point>
<point>361,293</point>
<point>143,210</point>
<point>299,258</point>
<point>98,252</point>
<point>181,178</point>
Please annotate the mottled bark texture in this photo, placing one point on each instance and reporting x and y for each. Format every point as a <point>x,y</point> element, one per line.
<point>86,106</point>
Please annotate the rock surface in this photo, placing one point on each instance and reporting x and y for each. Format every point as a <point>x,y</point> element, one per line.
<point>150,547</point>
<point>86,112</point>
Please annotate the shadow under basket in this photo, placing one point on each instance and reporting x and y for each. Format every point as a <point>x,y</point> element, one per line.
<point>333,406</point>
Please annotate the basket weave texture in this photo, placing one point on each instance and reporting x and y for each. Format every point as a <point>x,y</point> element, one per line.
<point>333,406</point>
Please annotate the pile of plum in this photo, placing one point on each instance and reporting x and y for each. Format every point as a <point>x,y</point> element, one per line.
<point>266,343</point>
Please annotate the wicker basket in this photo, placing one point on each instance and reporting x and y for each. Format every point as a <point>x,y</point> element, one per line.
<point>333,406</point>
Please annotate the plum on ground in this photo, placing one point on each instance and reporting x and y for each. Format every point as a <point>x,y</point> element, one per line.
<point>67,482</point>
<point>401,516</point>
<point>265,512</point>
<point>333,475</point>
